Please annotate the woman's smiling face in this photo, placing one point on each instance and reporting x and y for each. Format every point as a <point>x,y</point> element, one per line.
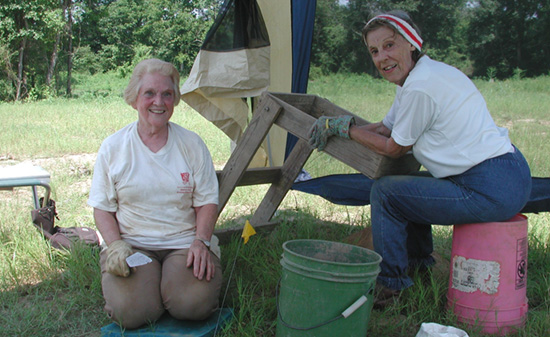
<point>391,54</point>
<point>155,100</point>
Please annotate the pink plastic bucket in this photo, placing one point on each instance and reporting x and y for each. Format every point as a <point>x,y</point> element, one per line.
<point>488,276</point>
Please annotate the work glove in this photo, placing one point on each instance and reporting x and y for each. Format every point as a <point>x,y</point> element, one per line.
<point>117,252</point>
<point>326,127</point>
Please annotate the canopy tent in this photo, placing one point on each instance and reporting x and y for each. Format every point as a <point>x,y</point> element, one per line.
<point>258,45</point>
<point>253,46</point>
<point>233,63</point>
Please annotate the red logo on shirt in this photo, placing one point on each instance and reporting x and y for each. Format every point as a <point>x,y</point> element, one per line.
<point>185,177</point>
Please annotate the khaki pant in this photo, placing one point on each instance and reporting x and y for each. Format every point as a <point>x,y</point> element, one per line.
<point>164,284</point>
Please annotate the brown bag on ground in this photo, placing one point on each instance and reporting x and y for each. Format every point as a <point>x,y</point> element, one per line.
<point>60,237</point>
<point>44,217</point>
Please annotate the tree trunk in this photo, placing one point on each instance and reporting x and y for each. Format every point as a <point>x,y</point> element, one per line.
<point>70,46</point>
<point>53,59</point>
<point>20,66</point>
<point>8,68</point>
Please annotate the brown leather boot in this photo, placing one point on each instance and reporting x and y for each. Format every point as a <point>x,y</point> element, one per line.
<point>384,296</point>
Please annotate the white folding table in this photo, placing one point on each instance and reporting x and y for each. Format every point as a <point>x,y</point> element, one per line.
<point>26,175</point>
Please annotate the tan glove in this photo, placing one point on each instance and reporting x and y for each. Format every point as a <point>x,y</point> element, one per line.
<point>117,252</point>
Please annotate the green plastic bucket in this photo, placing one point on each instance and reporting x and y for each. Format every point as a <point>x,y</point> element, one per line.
<point>326,289</point>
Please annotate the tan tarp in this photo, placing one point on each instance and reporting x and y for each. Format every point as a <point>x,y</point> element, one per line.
<point>232,74</point>
<point>219,81</point>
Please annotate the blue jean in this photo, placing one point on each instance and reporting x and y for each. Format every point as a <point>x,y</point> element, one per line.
<point>403,208</point>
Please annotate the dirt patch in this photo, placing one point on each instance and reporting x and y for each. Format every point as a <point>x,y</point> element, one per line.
<point>362,238</point>
<point>73,161</point>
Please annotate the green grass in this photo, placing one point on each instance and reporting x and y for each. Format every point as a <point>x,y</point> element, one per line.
<point>46,292</point>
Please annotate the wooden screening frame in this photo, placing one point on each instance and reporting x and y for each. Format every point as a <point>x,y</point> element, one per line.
<point>295,113</point>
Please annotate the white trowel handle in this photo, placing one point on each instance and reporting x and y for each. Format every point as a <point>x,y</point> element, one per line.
<point>356,305</point>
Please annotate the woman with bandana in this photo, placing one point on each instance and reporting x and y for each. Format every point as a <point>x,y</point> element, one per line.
<point>473,172</point>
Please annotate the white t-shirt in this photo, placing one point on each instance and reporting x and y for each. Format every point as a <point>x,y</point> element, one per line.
<point>443,115</point>
<point>153,194</point>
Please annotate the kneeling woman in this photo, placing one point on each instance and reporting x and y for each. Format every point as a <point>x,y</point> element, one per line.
<point>155,191</point>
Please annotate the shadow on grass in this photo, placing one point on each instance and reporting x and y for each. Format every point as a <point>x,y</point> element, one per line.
<point>251,273</point>
<point>66,302</point>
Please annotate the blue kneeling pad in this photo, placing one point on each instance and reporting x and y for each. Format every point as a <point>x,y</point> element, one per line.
<point>169,326</point>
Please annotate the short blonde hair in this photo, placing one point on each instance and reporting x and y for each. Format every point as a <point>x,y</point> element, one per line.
<point>150,66</point>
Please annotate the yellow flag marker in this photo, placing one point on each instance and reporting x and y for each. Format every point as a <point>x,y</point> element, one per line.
<point>248,231</point>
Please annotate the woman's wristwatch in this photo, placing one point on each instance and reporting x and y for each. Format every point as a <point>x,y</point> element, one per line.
<point>206,242</point>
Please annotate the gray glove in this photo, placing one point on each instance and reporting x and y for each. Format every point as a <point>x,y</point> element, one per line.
<point>326,127</point>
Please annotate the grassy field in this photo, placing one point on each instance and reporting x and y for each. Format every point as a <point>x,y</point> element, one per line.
<point>46,292</point>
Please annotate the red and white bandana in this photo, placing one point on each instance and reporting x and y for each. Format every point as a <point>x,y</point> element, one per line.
<point>402,27</point>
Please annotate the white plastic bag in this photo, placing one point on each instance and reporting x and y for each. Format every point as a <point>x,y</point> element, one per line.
<point>438,330</point>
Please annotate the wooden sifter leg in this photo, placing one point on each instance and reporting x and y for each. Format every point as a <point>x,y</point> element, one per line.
<point>278,190</point>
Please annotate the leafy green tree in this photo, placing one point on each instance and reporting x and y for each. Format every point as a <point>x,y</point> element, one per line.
<point>94,35</point>
<point>329,37</point>
<point>509,35</point>
<point>338,44</point>
<point>175,29</point>
<point>88,23</point>
<point>26,33</point>
<point>442,24</point>
<point>118,27</point>
<point>172,29</point>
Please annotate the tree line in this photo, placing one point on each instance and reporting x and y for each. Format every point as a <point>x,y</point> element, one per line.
<point>484,38</point>
<point>42,42</point>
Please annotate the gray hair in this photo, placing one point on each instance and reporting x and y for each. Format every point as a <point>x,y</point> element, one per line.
<point>151,66</point>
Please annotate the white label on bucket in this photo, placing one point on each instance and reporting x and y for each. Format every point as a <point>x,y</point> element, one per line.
<point>470,275</point>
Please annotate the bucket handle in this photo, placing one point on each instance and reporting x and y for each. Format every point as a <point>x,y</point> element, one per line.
<point>345,314</point>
